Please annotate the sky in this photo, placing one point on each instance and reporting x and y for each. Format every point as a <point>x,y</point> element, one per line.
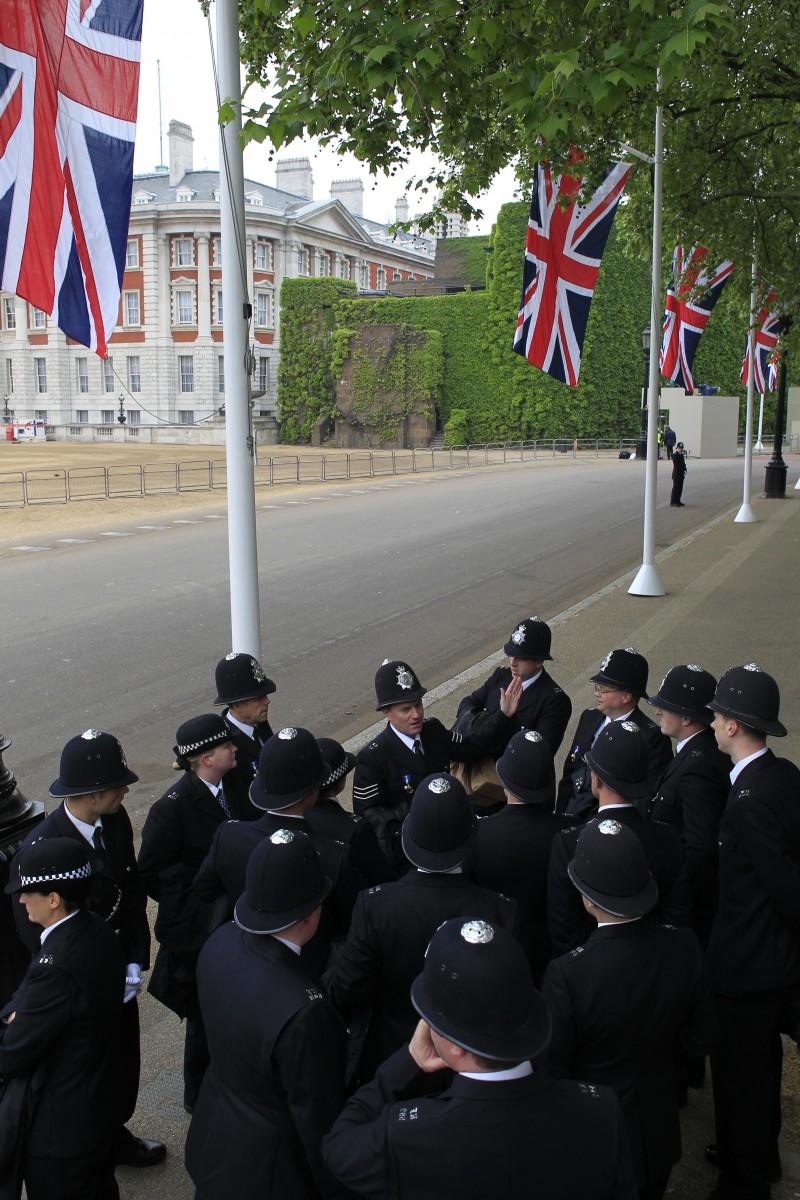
<point>176,33</point>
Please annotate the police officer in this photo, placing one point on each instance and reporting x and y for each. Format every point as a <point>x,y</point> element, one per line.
<point>393,923</point>
<point>290,772</point>
<point>512,847</point>
<point>409,748</point>
<point>330,819</point>
<point>244,688</point>
<point>498,1125</point>
<point>618,686</point>
<point>619,779</point>
<point>678,475</point>
<point>92,784</point>
<point>177,834</point>
<point>59,1029</point>
<point>694,785</point>
<point>276,1077</point>
<point>519,696</point>
<point>754,948</point>
<point>621,1002</point>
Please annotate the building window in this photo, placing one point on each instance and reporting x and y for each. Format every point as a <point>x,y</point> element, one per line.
<point>302,261</point>
<point>134,373</point>
<point>132,253</point>
<point>324,263</point>
<point>344,268</point>
<point>264,310</point>
<point>186,365</point>
<point>186,416</point>
<point>220,372</point>
<point>39,319</point>
<point>9,313</point>
<point>184,196</point>
<point>262,376</point>
<point>216,249</point>
<point>131,309</point>
<point>254,198</point>
<point>82,374</point>
<point>107,416</point>
<point>217,317</point>
<point>40,414</point>
<point>9,374</point>
<point>134,416</point>
<point>40,369</point>
<point>363,275</point>
<point>263,252</point>
<point>381,278</point>
<point>396,276</point>
<point>108,374</point>
<point>82,416</point>
<point>183,307</point>
<point>184,252</point>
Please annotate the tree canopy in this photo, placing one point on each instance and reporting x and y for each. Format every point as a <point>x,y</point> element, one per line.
<point>485,84</point>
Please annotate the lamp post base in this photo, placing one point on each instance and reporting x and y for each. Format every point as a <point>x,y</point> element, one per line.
<point>745,516</point>
<point>775,480</point>
<point>647,583</point>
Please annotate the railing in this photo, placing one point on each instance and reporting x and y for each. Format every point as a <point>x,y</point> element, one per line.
<point>49,485</point>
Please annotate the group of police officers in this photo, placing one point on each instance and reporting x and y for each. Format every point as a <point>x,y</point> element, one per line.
<point>484,980</point>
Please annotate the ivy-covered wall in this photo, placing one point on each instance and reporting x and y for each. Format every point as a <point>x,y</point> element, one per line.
<point>464,259</point>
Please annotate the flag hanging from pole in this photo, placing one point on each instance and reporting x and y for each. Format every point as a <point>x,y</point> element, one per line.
<point>770,327</point>
<point>686,318</point>
<point>69,80</point>
<point>563,248</point>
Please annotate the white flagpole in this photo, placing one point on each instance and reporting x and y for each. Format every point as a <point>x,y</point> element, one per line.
<point>759,446</point>
<point>242,546</point>
<point>745,515</point>
<point>647,582</point>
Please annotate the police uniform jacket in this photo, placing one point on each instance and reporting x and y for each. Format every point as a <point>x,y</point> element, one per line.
<point>690,797</point>
<point>177,834</point>
<point>68,1013</point>
<point>510,854</point>
<point>620,1004</point>
<point>755,938</point>
<point>385,951</point>
<point>574,794</point>
<point>238,780</point>
<point>513,1139</point>
<point>543,706</point>
<point>329,819</point>
<point>223,872</point>
<point>570,924</point>
<point>276,1079</point>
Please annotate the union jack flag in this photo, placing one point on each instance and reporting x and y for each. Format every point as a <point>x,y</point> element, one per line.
<point>773,369</point>
<point>563,249</point>
<point>69,79</point>
<point>770,327</point>
<point>686,318</point>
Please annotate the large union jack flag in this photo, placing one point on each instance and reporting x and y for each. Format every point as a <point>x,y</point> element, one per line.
<point>770,327</point>
<point>563,249</point>
<point>687,312</point>
<point>69,78</point>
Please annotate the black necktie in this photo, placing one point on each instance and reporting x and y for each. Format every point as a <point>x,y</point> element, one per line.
<point>97,839</point>
<point>418,751</point>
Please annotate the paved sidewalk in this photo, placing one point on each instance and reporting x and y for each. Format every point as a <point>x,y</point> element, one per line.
<point>733,596</point>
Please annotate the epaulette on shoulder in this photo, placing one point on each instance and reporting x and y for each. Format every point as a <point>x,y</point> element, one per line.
<point>45,960</point>
<point>373,891</point>
<point>406,1113</point>
<point>372,746</point>
<point>665,925</point>
<point>313,994</point>
<point>577,951</point>
<point>589,1089</point>
<point>173,795</point>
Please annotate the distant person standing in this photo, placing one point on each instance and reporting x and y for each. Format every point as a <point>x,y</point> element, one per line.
<point>678,475</point>
<point>670,437</point>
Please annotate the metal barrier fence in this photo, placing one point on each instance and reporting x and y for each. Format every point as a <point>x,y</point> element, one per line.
<point>48,485</point>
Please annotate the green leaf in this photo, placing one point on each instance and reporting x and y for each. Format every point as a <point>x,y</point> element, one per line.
<point>378,53</point>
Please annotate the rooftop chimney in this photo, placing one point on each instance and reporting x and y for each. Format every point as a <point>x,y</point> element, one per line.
<point>181,154</point>
<point>294,175</point>
<point>351,194</point>
<point>401,209</point>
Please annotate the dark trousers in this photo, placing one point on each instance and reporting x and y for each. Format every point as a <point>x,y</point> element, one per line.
<point>195,1057</point>
<point>746,1071</point>
<point>656,1188</point>
<point>86,1178</point>
<point>677,489</point>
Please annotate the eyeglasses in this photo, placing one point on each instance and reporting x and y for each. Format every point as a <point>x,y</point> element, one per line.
<point>599,690</point>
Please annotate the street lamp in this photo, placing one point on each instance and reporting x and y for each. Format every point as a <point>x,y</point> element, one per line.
<point>6,410</point>
<point>121,414</point>
<point>641,441</point>
<point>776,469</point>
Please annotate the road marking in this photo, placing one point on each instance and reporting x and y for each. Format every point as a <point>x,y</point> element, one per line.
<point>114,533</point>
<point>185,521</point>
<point>264,507</point>
<point>152,526</point>
<point>357,492</point>
<point>75,541</point>
<point>31,549</point>
<point>213,517</point>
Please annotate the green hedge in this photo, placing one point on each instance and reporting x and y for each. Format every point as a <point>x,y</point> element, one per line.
<point>398,381</point>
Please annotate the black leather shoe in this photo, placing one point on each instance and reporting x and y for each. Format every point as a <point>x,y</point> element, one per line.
<point>711,1153</point>
<point>140,1152</point>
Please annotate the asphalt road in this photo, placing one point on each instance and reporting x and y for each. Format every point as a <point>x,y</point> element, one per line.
<point>122,632</point>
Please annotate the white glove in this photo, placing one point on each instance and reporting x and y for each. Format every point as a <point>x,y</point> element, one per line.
<point>133,982</point>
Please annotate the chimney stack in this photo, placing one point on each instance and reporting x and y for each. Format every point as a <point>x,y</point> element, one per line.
<point>294,175</point>
<point>181,154</point>
<point>401,209</point>
<point>351,194</point>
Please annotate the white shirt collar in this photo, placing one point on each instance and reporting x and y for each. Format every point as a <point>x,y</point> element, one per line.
<point>248,729</point>
<point>46,932</point>
<point>685,741</point>
<point>526,683</point>
<point>83,827</point>
<point>284,815</point>
<point>214,788</point>
<point>601,808</point>
<point>743,762</point>
<point>293,946</point>
<point>629,921</point>
<point>453,871</point>
<point>404,738</point>
<point>518,1072</point>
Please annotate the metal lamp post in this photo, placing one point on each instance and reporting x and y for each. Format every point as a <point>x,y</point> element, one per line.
<point>776,469</point>
<point>6,410</point>
<point>641,441</point>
